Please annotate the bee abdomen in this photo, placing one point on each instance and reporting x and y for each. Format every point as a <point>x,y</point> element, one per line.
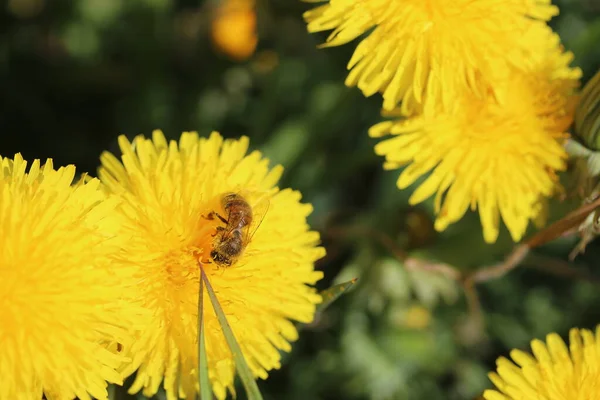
<point>233,246</point>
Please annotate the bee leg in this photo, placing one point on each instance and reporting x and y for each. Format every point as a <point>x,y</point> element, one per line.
<point>218,229</point>
<point>210,216</point>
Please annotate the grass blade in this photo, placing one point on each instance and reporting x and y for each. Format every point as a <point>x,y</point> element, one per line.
<point>240,362</point>
<point>203,381</point>
<point>331,294</point>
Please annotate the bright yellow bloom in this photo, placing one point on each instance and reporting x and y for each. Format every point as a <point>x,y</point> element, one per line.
<point>234,28</point>
<point>428,50</point>
<point>555,372</point>
<point>61,302</point>
<point>497,154</point>
<point>167,188</point>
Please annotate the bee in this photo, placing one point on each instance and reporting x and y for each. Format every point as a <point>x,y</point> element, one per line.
<point>240,222</point>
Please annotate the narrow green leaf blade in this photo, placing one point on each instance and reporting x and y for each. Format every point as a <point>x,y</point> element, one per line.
<point>331,294</point>
<point>240,362</point>
<point>203,381</point>
<point>111,392</point>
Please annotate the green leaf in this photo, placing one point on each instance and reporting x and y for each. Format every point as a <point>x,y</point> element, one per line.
<point>331,294</point>
<point>205,389</point>
<point>240,362</point>
<point>111,392</point>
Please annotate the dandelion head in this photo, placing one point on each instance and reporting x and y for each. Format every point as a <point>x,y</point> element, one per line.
<point>432,50</point>
<point>552,372</point>
<point>499,154</point>
<point>168,191</point>
<point>61,303</point>
<point>234,28</point>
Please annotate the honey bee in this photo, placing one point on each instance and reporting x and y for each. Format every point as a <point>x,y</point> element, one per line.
<point>240,223</point>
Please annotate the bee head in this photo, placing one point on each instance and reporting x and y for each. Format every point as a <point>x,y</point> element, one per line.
<point>218,258</point>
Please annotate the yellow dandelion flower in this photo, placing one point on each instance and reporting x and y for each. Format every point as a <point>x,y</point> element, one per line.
<point>497,154</point>
<point>168,190</point>
<point>434,49</point>
<point>554,372</point>
<point>61,301</point>
<point>234,28</point>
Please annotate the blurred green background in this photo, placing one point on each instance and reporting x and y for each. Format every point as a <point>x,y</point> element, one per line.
<point>75,74</point>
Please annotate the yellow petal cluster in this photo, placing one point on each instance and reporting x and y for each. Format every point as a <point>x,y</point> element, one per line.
<point>167,189</point>
<point>554,372</point>
<point>427,51</point>
<point>496,155</point>
<point>61,299</point>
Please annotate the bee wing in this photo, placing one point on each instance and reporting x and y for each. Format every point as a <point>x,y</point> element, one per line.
<point>259,210</point>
